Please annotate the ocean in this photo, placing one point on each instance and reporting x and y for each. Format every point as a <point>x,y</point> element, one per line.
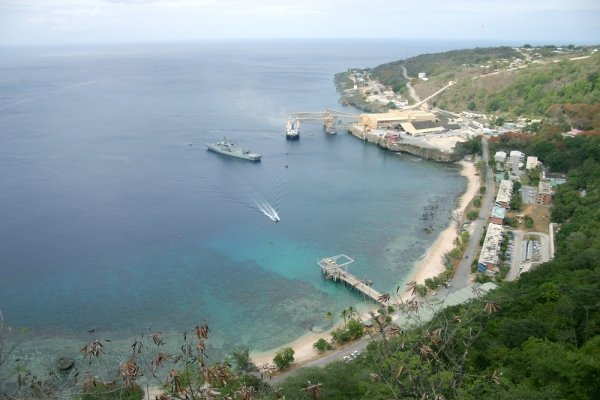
<point>117,221</point>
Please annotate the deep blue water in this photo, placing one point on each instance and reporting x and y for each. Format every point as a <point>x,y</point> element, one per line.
<point>111,220</point>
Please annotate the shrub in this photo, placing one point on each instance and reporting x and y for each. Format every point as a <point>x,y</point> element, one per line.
<point>355,328</point>
<point>322,345</point>
<point>284,358</point>
<point>528,222</point>
<point>473,214</point>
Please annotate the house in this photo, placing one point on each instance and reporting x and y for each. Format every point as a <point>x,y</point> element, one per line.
<point>498,215</point>
<point>500,158</point>
<point>544,196</point>
<point>555,178</point>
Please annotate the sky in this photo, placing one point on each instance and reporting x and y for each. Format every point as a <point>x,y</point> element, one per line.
<point>30,22</point>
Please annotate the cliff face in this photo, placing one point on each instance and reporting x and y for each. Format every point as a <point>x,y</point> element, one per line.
<point>428,153</point>
<point>423,152</point>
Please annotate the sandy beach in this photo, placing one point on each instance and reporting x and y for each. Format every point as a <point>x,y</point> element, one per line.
<point>430,266</point>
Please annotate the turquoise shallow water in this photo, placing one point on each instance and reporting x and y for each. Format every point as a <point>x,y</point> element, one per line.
<point>112,221</point>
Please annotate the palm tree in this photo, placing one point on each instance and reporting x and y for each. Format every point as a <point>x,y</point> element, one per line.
<point>411,287</point>
<point>492,307</point>
<point>384,298</point>
<point>329,317</point>
<point>129,372</point>
<point>313,389</point>
<point>351,311</point>
<point>93,349</point>
<point>344,315</point>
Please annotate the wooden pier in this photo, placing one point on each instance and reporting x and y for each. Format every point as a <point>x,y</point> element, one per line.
<point>336,268</point>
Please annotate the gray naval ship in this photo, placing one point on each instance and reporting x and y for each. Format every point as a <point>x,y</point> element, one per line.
<point>230,149</point>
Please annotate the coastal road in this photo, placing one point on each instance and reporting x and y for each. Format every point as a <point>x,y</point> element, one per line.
<point>463,272</point>
<point>327,358</point>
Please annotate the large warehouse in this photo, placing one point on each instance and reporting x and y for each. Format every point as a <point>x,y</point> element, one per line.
<point>413,122</point>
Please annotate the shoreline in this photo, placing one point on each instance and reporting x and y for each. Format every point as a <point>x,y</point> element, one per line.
<point>431,265</point>
<point>428,267</point>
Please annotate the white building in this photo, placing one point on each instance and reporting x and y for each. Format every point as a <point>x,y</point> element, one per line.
<point>531,163</point>
<point>516,161</point>
<point>500,158</point>
<point>517,157</point>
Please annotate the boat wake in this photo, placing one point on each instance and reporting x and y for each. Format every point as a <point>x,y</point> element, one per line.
<point>268,210</point>
<point>237,191</point>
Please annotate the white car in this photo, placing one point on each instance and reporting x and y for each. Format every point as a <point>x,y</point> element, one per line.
<point>355,353</point>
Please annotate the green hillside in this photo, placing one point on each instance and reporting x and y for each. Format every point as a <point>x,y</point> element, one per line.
<point>442,65</point>
<point>501,80</point>
<point>529,91</point>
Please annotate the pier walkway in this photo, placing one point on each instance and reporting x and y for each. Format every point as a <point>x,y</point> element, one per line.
<point>336,268</point>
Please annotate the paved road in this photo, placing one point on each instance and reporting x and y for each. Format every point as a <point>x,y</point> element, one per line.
<point>461,277</point>
<point>411,90</point>
<point>329,357</point>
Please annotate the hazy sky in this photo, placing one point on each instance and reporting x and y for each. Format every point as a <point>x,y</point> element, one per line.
<point>96,21</point>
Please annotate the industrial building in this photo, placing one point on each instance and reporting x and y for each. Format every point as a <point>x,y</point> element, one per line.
<point>413,122</point>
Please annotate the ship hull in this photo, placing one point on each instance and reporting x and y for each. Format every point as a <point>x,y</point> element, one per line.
<point>236,154</point>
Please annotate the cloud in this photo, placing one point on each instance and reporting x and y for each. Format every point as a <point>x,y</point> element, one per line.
<point>134,1</point>
<point>79,12</point>
<point>132,20</point>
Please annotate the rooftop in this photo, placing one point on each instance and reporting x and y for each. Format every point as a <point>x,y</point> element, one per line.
<point>505,191</point>
<point>491,245</point>
<point>498,212</point>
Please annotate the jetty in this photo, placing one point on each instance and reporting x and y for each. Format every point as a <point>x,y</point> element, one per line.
<point>336,269</point>
<point>331,119</point>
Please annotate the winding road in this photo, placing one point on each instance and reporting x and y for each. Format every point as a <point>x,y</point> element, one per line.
<point>411,90</point>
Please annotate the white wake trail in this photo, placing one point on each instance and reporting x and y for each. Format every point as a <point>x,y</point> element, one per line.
<point>268,210</point>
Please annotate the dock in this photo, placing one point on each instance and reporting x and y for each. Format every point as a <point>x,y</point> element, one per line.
<point>331,119</point>
<point>336,269</point>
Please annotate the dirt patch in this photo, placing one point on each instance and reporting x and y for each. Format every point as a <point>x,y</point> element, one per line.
<point>540,215</point>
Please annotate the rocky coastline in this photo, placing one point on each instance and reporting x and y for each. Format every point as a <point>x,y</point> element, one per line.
<point>396,143</point>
